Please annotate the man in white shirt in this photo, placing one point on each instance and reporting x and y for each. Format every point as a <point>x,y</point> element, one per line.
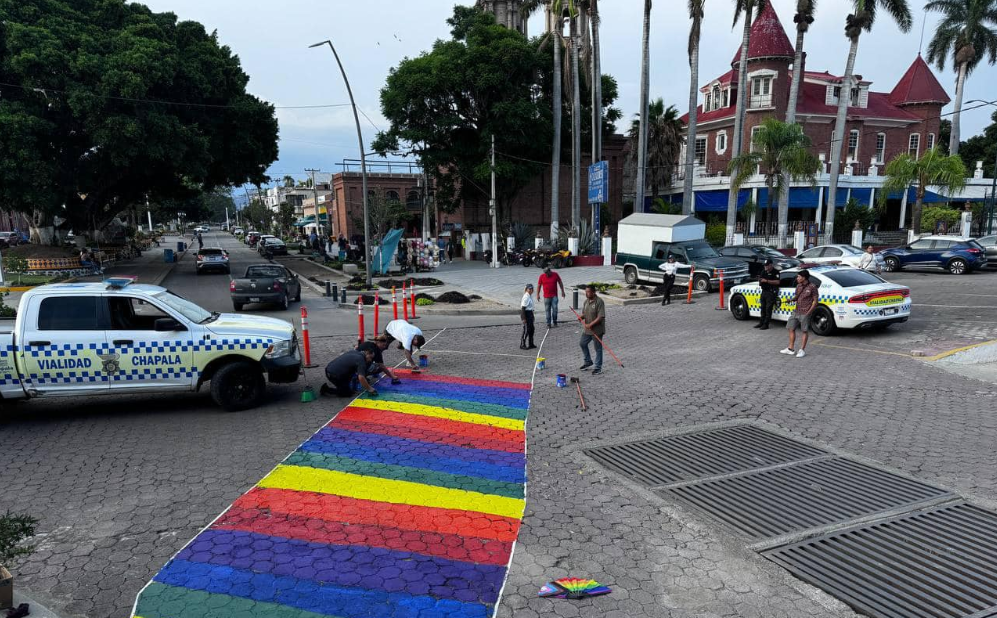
<point>526,314</point>
<point>670,267</point>
<point>868,260</point>
<point>408,337</point>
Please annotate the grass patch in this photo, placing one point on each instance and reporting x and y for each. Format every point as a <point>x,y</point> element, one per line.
<point>422,302</point>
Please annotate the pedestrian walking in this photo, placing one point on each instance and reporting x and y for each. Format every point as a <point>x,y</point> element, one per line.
<point>346,372</point>
<point>768,280</point>
<point>547,285</point>
<point>670,267</point>
<point>594,325</point>
<point>200,242</point>
<point>526,315</point>
<point>806,303</point>
<point>409,338</point>
<point>868,260</point>
<point>450,250</point>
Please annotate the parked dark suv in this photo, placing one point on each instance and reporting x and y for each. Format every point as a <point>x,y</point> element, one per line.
<point>756,256</point>
<point>956,255</point>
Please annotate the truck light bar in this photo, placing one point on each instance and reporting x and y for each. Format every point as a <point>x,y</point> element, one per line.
<point>117,283</point>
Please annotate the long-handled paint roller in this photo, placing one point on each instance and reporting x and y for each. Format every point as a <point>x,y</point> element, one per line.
<point>581,398</point>
<point>608,349</point>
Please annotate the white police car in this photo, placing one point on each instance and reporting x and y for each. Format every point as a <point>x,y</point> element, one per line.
<point>848,298</point>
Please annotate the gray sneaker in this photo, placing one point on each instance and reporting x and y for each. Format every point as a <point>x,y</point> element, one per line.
<point>597,371</point>
<point>585,366</point>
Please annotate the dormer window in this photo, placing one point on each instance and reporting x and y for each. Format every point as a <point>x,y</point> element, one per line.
<point>716,97</point>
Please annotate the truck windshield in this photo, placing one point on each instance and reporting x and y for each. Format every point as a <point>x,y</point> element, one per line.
<point>700,250</point>
<point>183,306</point>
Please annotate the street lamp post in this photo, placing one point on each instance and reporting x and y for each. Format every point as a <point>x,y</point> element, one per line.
<point>363,165</point>
<point>993,184</point>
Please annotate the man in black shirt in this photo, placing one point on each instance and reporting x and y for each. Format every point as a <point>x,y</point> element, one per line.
<point>376,346</point>
<point>769,282</point>
<point>342,370</point>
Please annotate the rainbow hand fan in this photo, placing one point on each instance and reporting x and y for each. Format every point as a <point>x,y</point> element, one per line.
<point>573,588</point>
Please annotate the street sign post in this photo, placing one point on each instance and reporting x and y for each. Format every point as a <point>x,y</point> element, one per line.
<point>598,192</point>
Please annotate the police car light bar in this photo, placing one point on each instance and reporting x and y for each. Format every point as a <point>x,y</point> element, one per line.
<point>116,283</point>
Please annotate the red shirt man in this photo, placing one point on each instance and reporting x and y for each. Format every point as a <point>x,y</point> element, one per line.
<point>547,286</point>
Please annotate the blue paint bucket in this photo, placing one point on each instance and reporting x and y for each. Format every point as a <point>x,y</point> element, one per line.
<point>423,360</point>
<point>562,380</point>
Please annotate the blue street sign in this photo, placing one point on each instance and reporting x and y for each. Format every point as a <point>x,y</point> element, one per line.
<point>599,182</point>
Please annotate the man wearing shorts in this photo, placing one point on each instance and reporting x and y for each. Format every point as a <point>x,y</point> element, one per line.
<point>806,303</point>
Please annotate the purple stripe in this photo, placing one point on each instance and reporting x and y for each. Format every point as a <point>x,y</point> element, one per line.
<point>416,447</point>
<point>348,565</point>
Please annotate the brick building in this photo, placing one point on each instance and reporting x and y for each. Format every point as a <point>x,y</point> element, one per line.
<point>880,124</point>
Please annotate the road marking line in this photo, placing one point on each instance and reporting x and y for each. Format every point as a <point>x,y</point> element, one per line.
<point>942,355</point>
<point>959,306</point>
<point>482,353</point>
<point>873,350</point>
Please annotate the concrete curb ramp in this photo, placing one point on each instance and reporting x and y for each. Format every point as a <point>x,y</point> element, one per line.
<point>404,505</point>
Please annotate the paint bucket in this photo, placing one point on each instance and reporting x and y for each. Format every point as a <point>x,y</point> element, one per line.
<point>562,380</point>
<point>541,363</point>
<point>307,395</point>
<point>423,360</point>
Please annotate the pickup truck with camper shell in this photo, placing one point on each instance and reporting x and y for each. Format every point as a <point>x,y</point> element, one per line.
<point>645,240</point>
<point>118,337</point>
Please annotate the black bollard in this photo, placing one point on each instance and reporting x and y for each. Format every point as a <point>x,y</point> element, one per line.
<point>343,301</point>
<point>335,291</point>
<point>328,289</point>
<point>574,299</point>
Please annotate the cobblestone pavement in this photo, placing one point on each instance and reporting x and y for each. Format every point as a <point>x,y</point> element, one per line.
<point>406,504</point>
<point>121,484</point>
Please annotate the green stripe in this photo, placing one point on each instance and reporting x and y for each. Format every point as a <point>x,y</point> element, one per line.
<point>405,473</point>
<point>491,409</point>
<point>162,601</point>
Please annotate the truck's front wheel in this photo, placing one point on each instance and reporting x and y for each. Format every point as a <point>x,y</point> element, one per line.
<point>630,275</point>
<point>701,283</point>
<point>238,386</point>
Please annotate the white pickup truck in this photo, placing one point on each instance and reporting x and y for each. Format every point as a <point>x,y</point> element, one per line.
<point>74,339</point>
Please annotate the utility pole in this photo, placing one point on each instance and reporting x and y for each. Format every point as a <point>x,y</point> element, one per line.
<point>494,212</point>
<point>315,193</point>
<point>148,211</point>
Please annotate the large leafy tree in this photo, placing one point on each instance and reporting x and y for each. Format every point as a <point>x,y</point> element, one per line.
<point>982,147</point>
<point>968,32</point>
<point>664,146</point>
<point>933,169</point>
<point>451,100</point>
<point>110,103</point>
<point>782,151</point>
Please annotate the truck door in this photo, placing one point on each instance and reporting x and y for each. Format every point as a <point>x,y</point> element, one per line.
<point>659,254</point>
<point>63,348</point>
<point>148,358</point>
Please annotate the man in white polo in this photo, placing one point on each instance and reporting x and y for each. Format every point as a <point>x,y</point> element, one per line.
<point>409,338</point>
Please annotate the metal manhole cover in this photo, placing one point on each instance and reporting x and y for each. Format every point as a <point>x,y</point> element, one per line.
<point>770,503</point>
<point>934,564</point>
<point>701,455</point>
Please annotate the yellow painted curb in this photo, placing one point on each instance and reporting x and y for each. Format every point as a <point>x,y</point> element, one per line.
<point>21,288</point>
<point>957,350</point>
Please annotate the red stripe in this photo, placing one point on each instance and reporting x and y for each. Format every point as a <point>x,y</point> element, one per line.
<point>456,380</point>
<point>414,421</point>
<point>462,547</point>
<point>340,509</point>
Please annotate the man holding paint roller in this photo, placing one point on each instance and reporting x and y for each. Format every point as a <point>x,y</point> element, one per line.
<point>593,320</point>
<point>408,337</point>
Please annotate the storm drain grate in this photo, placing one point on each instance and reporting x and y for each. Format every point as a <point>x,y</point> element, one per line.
<point>701,455</point>
<point>770,503</point>
<point>933,564</point>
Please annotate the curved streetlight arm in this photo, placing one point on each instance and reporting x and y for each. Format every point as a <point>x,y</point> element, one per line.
<point>363,165</point>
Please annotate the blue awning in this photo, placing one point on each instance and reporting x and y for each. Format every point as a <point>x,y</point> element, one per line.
<point>716,201</point>
<point>803,197</point>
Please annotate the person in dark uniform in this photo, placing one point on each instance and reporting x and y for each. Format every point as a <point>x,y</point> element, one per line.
<point>670,267</point>
<point>376,346</point>
<point>343,370</point>
<point>769,282</point>
<point>526,315</point>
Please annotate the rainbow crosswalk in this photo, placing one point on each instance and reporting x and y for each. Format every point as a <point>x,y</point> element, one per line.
<point>406,505</point>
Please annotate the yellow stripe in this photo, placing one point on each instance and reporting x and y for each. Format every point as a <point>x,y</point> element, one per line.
<point>299,478</point>
<point>948,353</point>
<point>445,413</point>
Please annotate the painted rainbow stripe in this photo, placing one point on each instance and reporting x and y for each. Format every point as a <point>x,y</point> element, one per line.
<point>404,506</point>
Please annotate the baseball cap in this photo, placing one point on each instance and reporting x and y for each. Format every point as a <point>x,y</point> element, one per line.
<point>529,286</point>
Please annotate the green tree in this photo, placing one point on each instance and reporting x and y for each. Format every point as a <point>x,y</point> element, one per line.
<point>112,102</point>
<point>695,31</point>
<point>258,215</point>
<point>933,168</point>
<point>981,147</point>
<point>968,32</point>
<point>664,145</point>
<point>452,99</point>
<point>783,152</point>
<point>944,134</point>
<point>285,218</point>
<point>861,20</point>
<point>288,181</point>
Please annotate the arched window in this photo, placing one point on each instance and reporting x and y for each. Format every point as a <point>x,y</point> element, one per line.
<point>716,97</point>
<point>413,199</point>
<point>392,196</point>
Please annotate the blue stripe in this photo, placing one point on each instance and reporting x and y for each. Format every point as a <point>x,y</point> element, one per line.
<point>341,601</point>
<point>425,462</point>
<point>408,445</point>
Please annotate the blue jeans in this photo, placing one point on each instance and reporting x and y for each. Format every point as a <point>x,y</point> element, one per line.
<point>586,339</point>
<point>550,309</point>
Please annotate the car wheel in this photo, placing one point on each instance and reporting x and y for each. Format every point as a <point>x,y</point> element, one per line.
<point>238,386</point>
<point>891,265</point>
<point>630,275</point>
<point>958,267</point>
<point>739,307</point>
<point>297,297</point>
<point>285,303</point>
<point>701,283</point>
<point>822,322</point>
<point>237,307</point>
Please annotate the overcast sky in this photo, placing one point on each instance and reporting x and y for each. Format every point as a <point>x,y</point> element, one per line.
<point>272,41</point>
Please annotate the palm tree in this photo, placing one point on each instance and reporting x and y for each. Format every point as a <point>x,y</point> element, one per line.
<point>288,181</point>
<point>933,168</point>
<point>576,120</point>
<point>862,19</point>
<point>664,144</point>
<point>804,17</point>
<point>783,152</point>
<point>969,32</point>
<point>556,12</point>
<point>593,10</point>
<point>645,76</point>
<point>743,9</point>
<point>696,15</point>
